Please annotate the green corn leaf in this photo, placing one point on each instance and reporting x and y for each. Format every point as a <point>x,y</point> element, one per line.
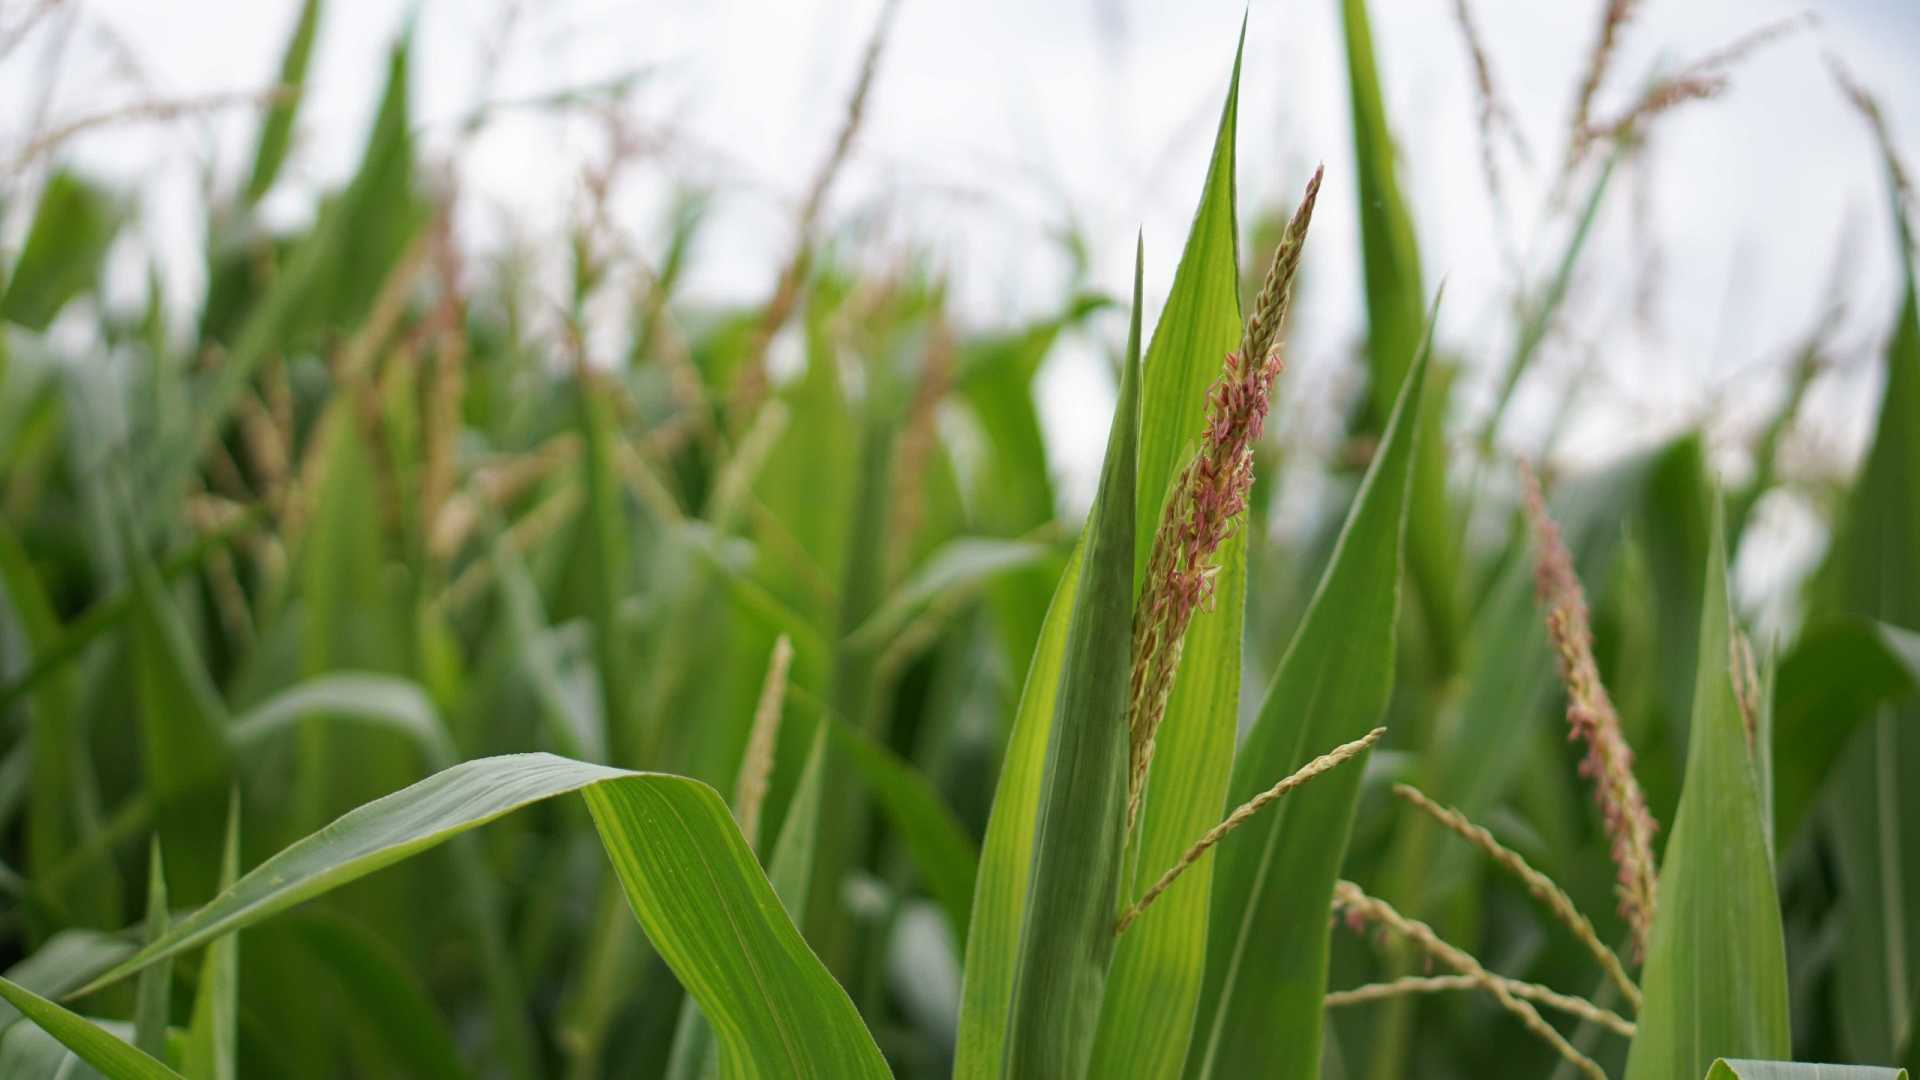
<point>688,875</point>
<point>1260,1008</point>
<point>57,652</point>
<point>27,1052</point>
<point>608,554</point>
<point>1395,310</point>
<point>153,998</point>
<point>276,132</point>
<point>64,963</point>
<point>72,229</point>
<point>852,688</point>
<point>350,604</point>
<point>790,871</point>
<point>115,1059</point>
<point>1006,857</point>
<point>381,206</point>
<point>1913,1039</point>
<point>63,798</point>
<point>1733,1069</point>
<point>1872,803</point>
<point>958,566</point>
<point>398,706</point>
<point>183,725</point>
<point>1837,677</point>
<point>1198,327</point>
<point>383,995</point>
<point>790,865</point>
<point>1013,485</point>
<point>382,702</point>
<point>573,727</point>
<point>211,1039</point>
<point>940,849</point>
<point>1066,941</point>
<point>1147,1016</point>
<point>774,1008</point>
<point>1715,980</point>
<point>349,614</point>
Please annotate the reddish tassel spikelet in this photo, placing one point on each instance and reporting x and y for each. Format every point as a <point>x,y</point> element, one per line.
<point>1591,719</point>
<point>1206,503</point>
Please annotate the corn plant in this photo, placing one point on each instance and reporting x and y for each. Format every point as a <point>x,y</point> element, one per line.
<point>810,737</point>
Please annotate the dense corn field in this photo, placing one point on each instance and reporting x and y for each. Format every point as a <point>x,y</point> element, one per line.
<point>401,675</point>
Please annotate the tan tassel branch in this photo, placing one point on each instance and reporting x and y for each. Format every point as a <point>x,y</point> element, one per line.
<point>1591,718</point>
<point>1538,884</point>
<point>1246,810</point>
<point>1358,905</point>
<point>756,765</point>
<point>1435,984</point>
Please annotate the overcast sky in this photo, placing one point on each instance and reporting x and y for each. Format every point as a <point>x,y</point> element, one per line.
<point>996,123</point>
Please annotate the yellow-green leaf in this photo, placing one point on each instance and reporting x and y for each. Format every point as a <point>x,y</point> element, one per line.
<point>688,875</point>
<point>115,1059</point>
<point>1006,858</point>
<point>1147,1016</point>
<point>1715,980</point>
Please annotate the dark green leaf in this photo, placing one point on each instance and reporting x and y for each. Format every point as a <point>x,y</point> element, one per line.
<point>154,997</point>
<point>116,1059</point>
<point>71,232</point>
<point>1836,678</point>
<point>1066,941</point>
<point>276,132</point>
<point>383,994</point>
<point>1006,858</point>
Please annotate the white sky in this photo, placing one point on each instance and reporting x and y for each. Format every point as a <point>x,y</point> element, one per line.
<point>992,119</point>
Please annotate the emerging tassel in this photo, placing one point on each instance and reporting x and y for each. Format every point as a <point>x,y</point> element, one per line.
<point>1208,498</point>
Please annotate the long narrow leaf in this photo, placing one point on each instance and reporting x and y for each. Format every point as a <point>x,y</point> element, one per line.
<point>183,728</point>
<point>116,1059</point>
<point>63,800</point>
<point>790,871</point>
<point>1147,1016</point>
<point>276,132</point>
<point>1838,676</point>
<point>1396,298</point>
<point>72,229</point>
<point>1006,858</point>
<point>153,1000</point>
<point>212,1038</point>
<point>1715,981</point>
<point>688,875</point>
<point>1066,941</point>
